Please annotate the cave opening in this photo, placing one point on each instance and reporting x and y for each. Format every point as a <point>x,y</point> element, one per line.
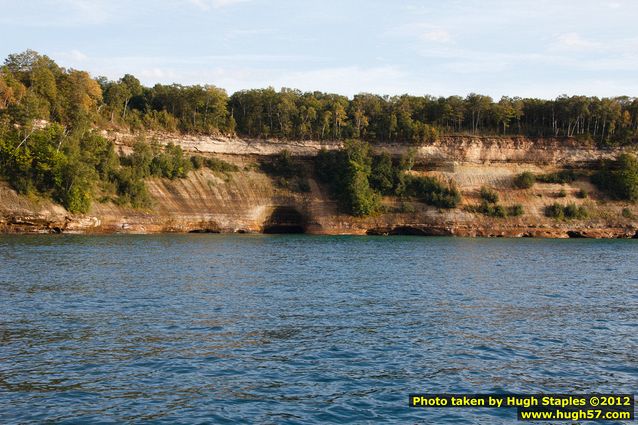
<point>285,220</point>
<point>573,234</point>
<point>408,231</point>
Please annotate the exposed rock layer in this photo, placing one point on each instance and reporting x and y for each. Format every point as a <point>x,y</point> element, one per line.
<point>249,201</point>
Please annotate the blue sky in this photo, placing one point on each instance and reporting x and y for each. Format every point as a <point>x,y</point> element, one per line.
<point>536,48</point>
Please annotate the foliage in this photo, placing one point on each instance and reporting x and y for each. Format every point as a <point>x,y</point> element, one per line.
<point>356,178</point>
<point>197,162</point>
<point>582,194</point>
<point>382,176</point>
<point>489,195</point>
<point>515,210</point>
<point>347,173</point>
<point>619,178</point>
<point>282,165</point>
<point>562,193</point>
<point>216,164</point>
<point>33,86</point>
<point>431,191</point>
<point>48,146</point>
<point>525,180</point>
<point>496,210</point>
<point>288,172</point>
<point>171,163</point>
<point>131,188</point>
<point>563,212</point>
<point>560,177</point>
<point>492,210</point>
<point>626,213</point>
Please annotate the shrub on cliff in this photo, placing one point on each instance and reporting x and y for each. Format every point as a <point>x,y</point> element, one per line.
<point>515,210</point>
<point>382,175</point>
<point>495,210</point>
<point>562,212</point>
<point>347,173</point>
<point>287,172</point>
<point>131,189</point>
<point>489,195</point>
<point>282,165</point>
<point>560,177</point>
<point>216,164</point>
<point>51,162</point>
<point>171,163</point>
<point>197,162</point>
<point>619,178</point>
<point>525,180</point>
<point>432,192</point>
<point>492,210</point>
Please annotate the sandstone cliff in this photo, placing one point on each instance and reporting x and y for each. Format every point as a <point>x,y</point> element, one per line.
<point>250,201</point>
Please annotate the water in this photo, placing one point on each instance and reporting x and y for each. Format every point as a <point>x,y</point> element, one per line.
<point>300,329</point>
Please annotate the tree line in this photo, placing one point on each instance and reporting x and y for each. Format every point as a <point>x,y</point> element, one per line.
<point>49,143</point>
<point>33,87</point>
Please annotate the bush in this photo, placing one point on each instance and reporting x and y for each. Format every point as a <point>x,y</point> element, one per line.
<point>626,212</point>
<point>197,162</point>
<point>582,194</point>
<point>515,210</point>
<point>570,211</point>
<point>432,192</point>
<point>560,177</point>
<point>497,211</point>
<point>562,194</point>
<point>406,207</point>
<point>131,189</point>
<point>491,210</point>
<point>489,195</point>
<point>347,173</point>
<point>555,211</point>
<point>619,178</point>
<point>219,165</point>
<point>382,176</point>
<point>171,163</point>
<point>525,180</point>
<point>574,211</point>
<point>282,165</point>
<point>287,172</point>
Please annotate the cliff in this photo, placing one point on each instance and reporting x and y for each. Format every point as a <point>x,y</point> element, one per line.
<point>251,201</point>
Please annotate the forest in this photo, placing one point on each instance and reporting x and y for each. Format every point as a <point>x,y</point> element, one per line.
<point>50,144</point>
<point>33,87</point>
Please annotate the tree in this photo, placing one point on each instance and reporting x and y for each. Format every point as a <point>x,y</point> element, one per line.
<point>477,105</point>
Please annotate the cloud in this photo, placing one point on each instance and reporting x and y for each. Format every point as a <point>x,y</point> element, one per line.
<point>237,72</point>
<point>76,55</point>
<point>89,11</point>
<point>347,80</point>
<point>422,32</point>
<point>216,4</point>
<point>575,42</point>
<point>438,36</point>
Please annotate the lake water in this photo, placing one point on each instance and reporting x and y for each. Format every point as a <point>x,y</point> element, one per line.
<point>302,329</point>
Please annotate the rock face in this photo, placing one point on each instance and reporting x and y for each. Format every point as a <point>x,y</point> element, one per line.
<point>458,149</point>
<point>250,201</point>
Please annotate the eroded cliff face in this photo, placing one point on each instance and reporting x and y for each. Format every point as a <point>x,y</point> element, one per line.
<point>251,201</point>
<point>449,149</point>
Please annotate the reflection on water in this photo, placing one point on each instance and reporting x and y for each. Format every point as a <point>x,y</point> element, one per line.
<point>289,329</point>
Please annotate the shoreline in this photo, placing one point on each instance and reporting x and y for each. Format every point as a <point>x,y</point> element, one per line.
<point>564,231</point>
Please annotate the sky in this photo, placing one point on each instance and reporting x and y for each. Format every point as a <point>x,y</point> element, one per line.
<point>527,48</point>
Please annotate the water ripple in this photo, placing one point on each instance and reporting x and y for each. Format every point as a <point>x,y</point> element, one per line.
<point>293,329</point>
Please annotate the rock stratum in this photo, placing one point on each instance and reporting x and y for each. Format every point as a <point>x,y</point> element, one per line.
<point>250,201</point>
